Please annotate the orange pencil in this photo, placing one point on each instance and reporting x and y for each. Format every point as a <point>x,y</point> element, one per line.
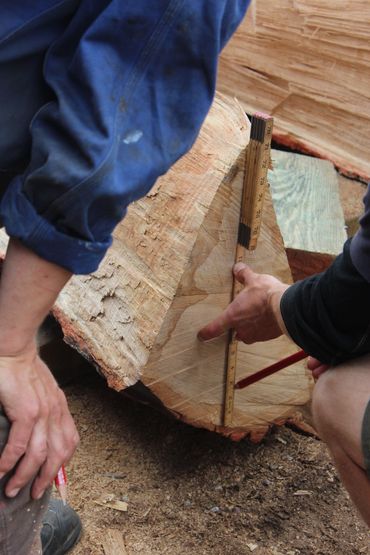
<point>60,481</point>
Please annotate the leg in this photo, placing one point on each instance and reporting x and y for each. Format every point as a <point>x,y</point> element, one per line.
<point>340,402</point>
<point>20,517</point>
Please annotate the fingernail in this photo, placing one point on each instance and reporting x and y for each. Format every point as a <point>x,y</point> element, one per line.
<point>39,495</point>
<point>13,492</point>
<point>238,266</point>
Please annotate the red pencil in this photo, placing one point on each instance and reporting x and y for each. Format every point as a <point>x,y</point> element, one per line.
<point>257,376</point>
<point>60,482</point>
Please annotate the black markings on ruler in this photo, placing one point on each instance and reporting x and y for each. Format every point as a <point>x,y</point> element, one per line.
<point>244,235</point>
<point>261,129</point>
<point>258,129</point>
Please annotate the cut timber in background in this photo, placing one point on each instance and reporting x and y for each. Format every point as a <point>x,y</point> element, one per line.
<point>351,194</point>
<point>307,63</point>
<point>168,273</point>
<point>309,213</point>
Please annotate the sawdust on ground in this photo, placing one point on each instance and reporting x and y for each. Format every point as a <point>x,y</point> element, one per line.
<point>192,492</point>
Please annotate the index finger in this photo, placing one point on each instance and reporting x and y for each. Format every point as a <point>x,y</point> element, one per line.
<point>16,446</point>
<point>217,327</point>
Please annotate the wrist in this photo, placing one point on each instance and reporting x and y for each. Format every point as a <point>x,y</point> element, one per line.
<point>14,342</point>
<point>28,289</point>
<point>274,302</point>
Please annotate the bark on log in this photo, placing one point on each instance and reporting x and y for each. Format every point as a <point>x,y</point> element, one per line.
<point>168,273</point>
<point>307,63</point>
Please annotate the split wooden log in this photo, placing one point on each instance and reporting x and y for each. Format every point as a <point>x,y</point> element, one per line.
<point>307,62</point>
<point>309,213</point>
<point>167,274</point>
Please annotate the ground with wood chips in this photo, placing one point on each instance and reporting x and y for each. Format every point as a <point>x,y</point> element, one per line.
<point>192,492</point>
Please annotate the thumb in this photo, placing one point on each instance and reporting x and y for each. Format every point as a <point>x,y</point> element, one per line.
<point>243,273</point>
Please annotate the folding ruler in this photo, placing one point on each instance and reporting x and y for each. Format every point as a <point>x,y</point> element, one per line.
<point>254,187</point>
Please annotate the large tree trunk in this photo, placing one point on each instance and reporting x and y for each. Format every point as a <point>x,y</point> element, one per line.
<point>168,273</point>
<point>307,62</point>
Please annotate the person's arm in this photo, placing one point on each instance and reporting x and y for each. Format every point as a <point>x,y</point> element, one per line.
<point>42,435</point>
<point>129,89</point>
<point>328,314</point>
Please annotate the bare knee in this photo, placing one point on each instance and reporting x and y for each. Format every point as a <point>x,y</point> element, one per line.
<point>339,402</point>
<point>325,400</point>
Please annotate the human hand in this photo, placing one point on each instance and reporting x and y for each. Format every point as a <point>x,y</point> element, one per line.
<point>317,367</point>
<point>42,435</point>
<point>255,311</point>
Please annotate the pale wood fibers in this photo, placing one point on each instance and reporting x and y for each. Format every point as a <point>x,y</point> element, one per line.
<point>307,62</point>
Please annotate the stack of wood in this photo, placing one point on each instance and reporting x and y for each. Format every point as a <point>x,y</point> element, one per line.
<point>307,63</point>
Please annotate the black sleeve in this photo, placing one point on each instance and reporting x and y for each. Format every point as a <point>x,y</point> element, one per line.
<point>328,314</point>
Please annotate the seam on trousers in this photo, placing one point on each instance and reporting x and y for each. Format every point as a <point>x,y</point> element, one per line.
<point>4,528</point>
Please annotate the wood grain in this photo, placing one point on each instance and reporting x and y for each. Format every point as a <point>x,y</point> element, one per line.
<point>308,209</point>
<point>113,542</point>
<point>168,273</point>
<point>307,63</point>
<point>306,199</point>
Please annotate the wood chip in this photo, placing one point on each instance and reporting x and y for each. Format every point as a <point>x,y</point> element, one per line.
<point>281,440</point>
<point>113,543</point>
<point>252,546</point>
<point>108,500</point>
<point>302,492</point>
<point>147,512</point>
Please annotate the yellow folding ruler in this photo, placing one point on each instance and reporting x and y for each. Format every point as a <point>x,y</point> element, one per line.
<point>254,187</point>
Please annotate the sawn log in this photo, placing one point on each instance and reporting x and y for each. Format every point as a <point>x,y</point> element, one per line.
<point>167,274</point>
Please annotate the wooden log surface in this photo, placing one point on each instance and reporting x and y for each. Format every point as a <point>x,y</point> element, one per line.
<point>168,273</point>
<point>308,208</point>
<point>307,63</point>
<point>351,194</point>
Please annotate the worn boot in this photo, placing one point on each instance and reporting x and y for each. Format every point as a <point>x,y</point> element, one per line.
<point>61,528</point>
